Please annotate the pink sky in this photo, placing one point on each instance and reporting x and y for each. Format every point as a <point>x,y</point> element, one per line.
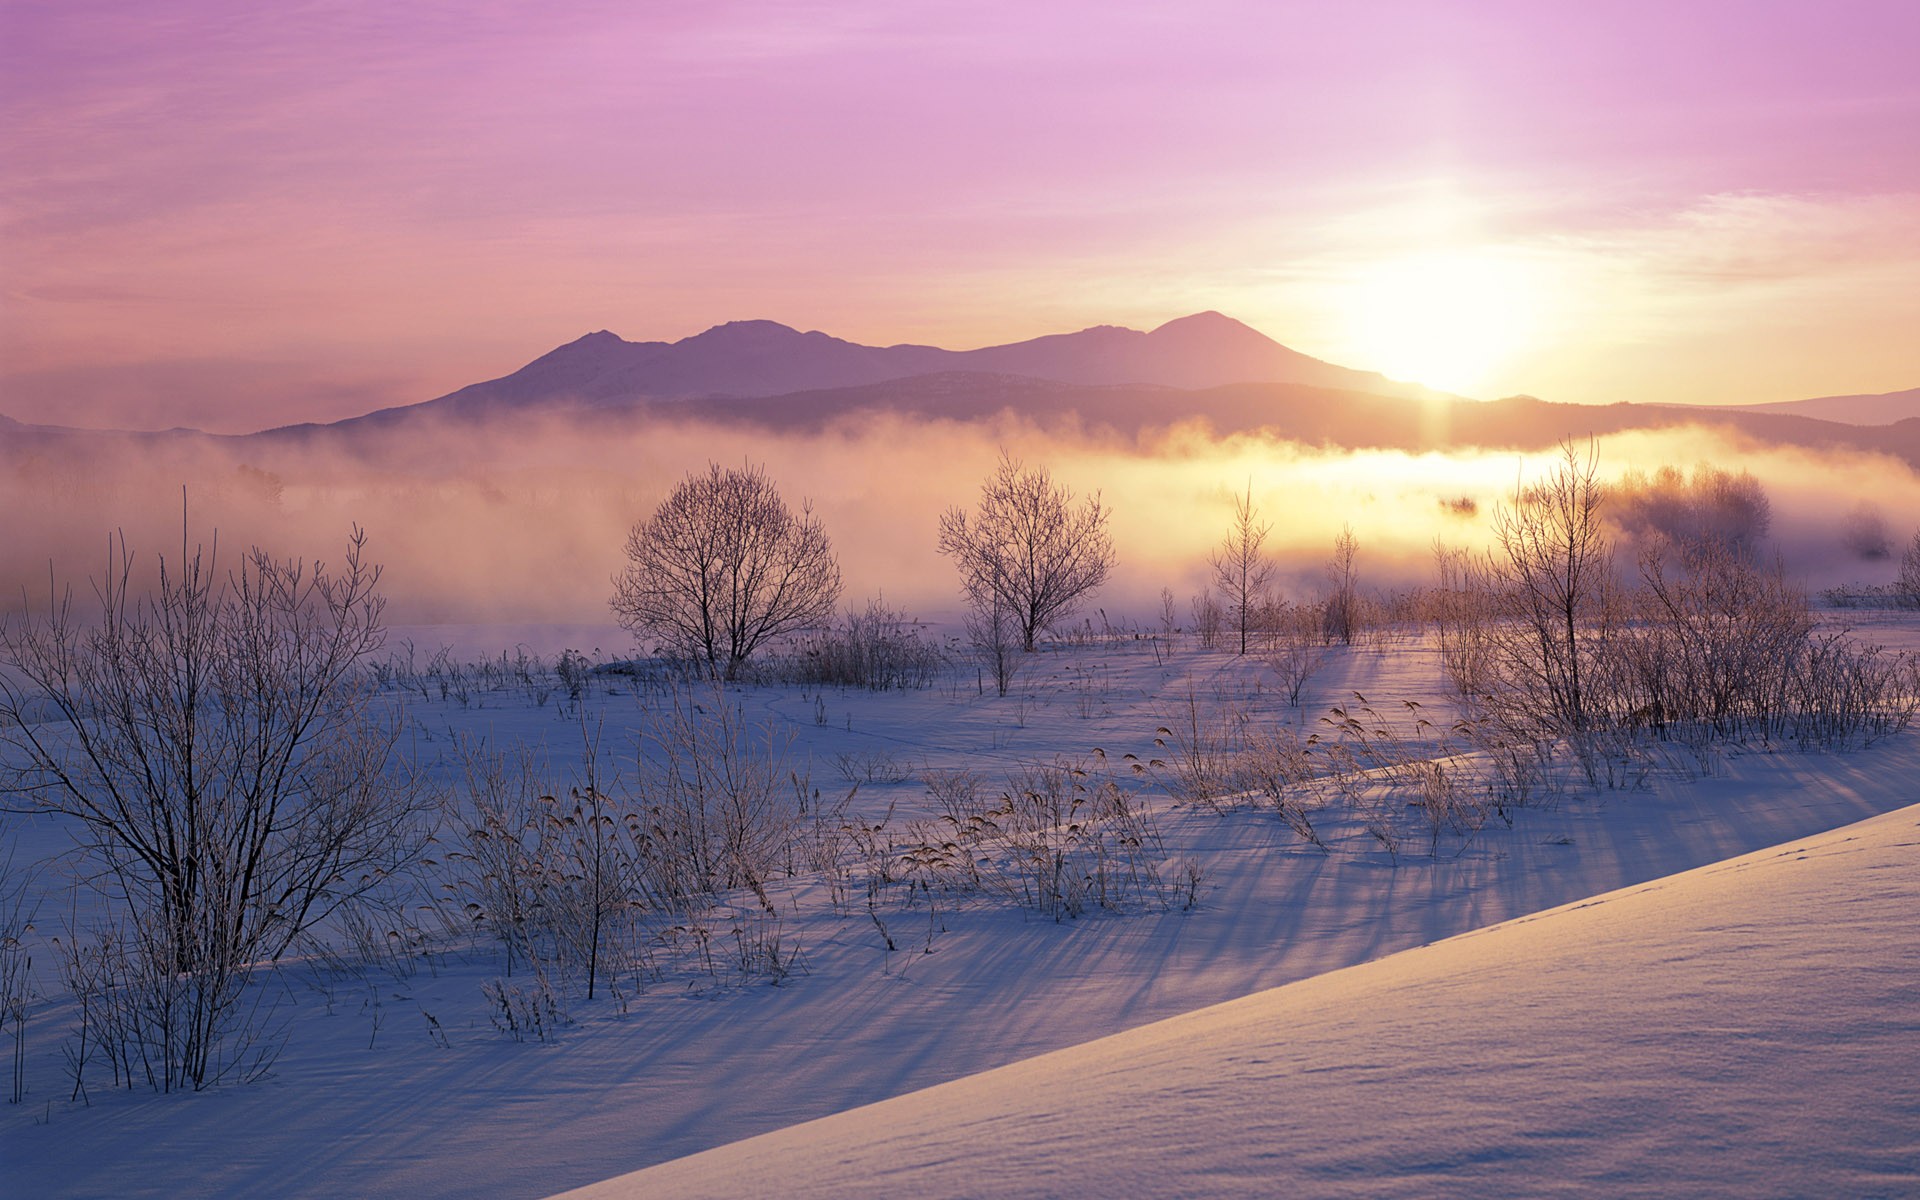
<point>235,215</point>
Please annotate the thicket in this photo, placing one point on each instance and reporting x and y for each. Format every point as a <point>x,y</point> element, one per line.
<point>1559,654</point>
<point>214,743</point>
<point>878,648</point>
<point>1706,640</point>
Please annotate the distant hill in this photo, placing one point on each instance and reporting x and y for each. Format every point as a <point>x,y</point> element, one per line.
<point>1329,418</point>
<point>1886,408</point>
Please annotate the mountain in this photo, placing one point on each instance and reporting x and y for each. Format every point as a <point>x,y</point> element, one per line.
<point>1886,408</point>
<point>755,359</point>
<point>1209,367</point>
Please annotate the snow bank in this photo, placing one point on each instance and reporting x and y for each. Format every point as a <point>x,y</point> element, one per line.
<point>1747,1028</point>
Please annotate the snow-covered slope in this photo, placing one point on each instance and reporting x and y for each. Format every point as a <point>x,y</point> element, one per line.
<point>1748,1028</point>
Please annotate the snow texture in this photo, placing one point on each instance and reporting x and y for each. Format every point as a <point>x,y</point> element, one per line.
<point>1749,1028</point>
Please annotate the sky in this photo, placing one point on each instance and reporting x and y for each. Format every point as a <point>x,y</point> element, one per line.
<point>233,215</point>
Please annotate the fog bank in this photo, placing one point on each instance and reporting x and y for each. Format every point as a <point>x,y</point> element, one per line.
<point>523,521</point>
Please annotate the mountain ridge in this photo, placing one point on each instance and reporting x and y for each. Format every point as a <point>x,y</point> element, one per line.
<point>1870,408</point>
<point>764,358</point>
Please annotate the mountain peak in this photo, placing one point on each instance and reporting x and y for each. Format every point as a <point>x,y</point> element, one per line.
<point>1207,324</point>
<point>744,331</point>
<point>597,339</point>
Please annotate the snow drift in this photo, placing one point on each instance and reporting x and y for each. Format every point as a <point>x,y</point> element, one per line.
<point>1747,1028</point>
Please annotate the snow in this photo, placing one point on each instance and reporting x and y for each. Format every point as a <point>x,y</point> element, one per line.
<point>365,1100</point>
<point>1742,1029</point>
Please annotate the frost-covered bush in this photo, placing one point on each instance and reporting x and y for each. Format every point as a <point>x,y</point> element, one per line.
<point>216,741</point>
<point>879,648</point>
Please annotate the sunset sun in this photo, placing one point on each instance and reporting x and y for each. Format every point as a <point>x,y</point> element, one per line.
<point>1449,319</point>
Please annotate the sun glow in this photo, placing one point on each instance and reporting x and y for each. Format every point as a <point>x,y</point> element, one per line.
<point>1449,319</point>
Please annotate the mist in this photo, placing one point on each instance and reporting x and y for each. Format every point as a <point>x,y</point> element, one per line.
<point>522,521</point>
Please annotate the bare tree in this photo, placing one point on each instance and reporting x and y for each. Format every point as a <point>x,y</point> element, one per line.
<point>1206,618</point>
<point>722,566</point>
<point>1241,568</point>
<point>1864,533</point>
<point>218,748</point>
<point>1028,548</point>
<point>1551,574</point>
<point>1711,505</point>
<point>1342,609</point>
<point>992,632</point>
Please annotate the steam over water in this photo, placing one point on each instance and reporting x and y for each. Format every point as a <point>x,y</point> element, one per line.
<point>524,522</point>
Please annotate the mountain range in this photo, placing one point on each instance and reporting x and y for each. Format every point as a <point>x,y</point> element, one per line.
<point>1206,366</point>
<point>757,360</point>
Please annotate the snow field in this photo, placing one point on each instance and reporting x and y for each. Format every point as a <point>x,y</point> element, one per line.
<point>394,1082</point>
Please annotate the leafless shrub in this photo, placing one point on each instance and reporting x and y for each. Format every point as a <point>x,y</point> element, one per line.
<point>1843,693</point>
<point>723,566</point>
<point>216,742</point>
<point>994,636</point>
<point>1207,619</point>
<point>1295,649</point>
<point>154,1025</point>
<point>1906,586</point>
<point>547,869</point>
<point>1462,609</point>
<point>497,879</point>
<point>1717,635</point>
<point>879,648</point>
<point>1724,650</point>
<point>16,970</point>
<point>589,885</point>
<point>872,766</point>
<point>714,810</point>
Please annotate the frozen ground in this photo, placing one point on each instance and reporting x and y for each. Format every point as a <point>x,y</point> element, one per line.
<point>366,1100</point>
